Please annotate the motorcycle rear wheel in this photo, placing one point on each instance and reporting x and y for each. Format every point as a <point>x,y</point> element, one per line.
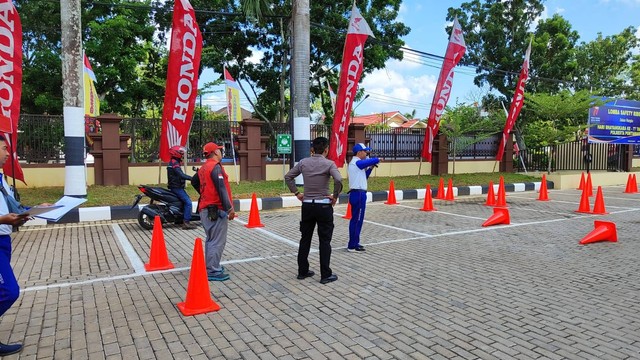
<point>145,221</point>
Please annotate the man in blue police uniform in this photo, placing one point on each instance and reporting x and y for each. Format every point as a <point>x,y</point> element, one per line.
<point>359,170</point>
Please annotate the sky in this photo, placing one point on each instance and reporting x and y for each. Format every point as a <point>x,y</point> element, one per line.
<point>409,84</point>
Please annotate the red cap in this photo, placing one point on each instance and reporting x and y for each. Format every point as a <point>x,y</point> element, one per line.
<point>208,148</point>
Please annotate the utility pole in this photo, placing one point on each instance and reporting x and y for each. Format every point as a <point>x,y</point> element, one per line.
<point>75,181</point>
<point>300,74</point>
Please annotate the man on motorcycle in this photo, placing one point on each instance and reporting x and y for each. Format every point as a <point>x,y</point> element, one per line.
<point>176,182</point>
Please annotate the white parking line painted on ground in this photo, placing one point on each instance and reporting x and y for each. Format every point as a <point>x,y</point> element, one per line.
<point>130,276</point>
<point>253,259</point>
<point>272,235</point>
<point>445,213</point>
<point>131,253</point>
<point>577,202</point>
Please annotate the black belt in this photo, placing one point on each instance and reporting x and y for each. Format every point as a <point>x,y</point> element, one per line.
<point>356,190</point>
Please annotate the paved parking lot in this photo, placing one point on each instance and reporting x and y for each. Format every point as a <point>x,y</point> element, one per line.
<point>431,285</point>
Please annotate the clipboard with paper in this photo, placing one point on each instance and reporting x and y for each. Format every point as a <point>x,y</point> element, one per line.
<point>62,206</point>
<point>39,210</point>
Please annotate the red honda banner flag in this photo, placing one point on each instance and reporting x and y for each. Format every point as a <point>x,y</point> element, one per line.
<point>455,52</point>
<point>182,78</point>
<point>350,71</point>
<point>516,104</point>
<point>11,81</point>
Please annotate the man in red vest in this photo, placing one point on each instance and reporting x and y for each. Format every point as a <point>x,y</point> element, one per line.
<point>215,208</point>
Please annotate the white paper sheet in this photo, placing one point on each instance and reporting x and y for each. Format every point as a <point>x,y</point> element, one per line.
<point>67,203</point>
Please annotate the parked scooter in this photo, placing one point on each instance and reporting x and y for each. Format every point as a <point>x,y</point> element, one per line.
<point>163,203</point>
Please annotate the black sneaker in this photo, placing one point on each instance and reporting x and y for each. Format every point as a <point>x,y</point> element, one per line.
<point>8,349</point>
<point>330,278</point>
<point>357,248</point>
<point>308,274</point>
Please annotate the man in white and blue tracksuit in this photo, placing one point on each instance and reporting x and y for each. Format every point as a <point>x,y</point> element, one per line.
<point>359,170</point>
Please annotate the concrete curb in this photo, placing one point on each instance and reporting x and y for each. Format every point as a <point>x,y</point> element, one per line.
<point>125,212</point>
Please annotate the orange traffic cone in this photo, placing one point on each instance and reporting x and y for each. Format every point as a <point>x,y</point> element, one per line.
<point>629,188</point>
<point>158,258</point>
<point>440,193</point>
<point>544,196</point>
<point>348,214</point>
<point>604,231</point>
<point>584,206</point>
<point>581,187</point>
<point>391,199</point>
<point>589,186</point>
<point>428,203</point>
<point>491,197</point>
<point>635,184</point>
<point>254,214</point>
<point>198,299</point>
<point>500,216</point>
<point>598,206</point>
<point>449,196</point>
<point>502,197</point>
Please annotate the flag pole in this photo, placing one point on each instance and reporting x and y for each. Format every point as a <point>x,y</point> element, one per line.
<point>233,148</point>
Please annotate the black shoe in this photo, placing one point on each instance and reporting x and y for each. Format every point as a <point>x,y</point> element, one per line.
<point>308,274</point>
<point>357,248</point>
<point>8,349</point>
<point>330,278</point>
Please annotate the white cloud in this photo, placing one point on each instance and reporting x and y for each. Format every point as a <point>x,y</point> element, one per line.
<point>391,90</point>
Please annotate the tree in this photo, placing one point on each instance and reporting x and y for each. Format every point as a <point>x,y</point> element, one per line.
<point>118,40</point>
<point>464,126</point>
<point>497,33</point>
<point>553,55</point>
<point>603,62</point>
<point>555,118</point>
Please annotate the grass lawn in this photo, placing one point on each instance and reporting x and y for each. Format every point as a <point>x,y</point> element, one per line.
<point>123,195</point>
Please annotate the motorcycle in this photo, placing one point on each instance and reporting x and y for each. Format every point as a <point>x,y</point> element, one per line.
<point>163,203</point>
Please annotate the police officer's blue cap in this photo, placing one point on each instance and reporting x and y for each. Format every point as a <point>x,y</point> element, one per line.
<point>360,147</point>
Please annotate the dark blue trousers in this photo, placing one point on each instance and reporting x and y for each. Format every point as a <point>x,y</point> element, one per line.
<point>9,289</point>
<point>186,201</point>
<point>358,201</point>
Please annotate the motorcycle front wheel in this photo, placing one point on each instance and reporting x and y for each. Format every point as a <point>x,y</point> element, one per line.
<point>145,221</point>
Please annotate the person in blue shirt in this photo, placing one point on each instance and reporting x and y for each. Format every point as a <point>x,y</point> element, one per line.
<point>176,183</point>
<point>360,168</point>
<point>9,289</point>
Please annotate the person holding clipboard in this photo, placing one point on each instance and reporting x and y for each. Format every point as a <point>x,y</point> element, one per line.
<point>9,220</point>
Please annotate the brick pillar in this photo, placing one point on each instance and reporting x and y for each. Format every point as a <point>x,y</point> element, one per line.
<point>440,155</point>
<point>355,135</point>
<point>506,165</point>
<point>110,151</point>
<point>253,151</point>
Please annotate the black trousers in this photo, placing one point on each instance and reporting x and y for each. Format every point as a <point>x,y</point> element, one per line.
<point>312,214</point>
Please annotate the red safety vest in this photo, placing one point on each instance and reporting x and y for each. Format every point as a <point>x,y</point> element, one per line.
<point>208,194</point>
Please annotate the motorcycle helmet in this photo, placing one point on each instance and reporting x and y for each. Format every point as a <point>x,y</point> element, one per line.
<point>176,152</point>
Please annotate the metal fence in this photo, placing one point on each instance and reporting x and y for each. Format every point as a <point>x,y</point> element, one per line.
<point>572,156</point>
<point>41,140</point>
